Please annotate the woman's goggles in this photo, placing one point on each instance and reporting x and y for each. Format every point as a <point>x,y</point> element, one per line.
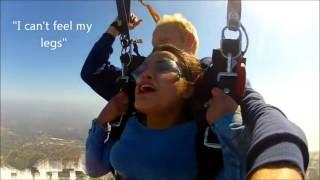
<point>159,67</point>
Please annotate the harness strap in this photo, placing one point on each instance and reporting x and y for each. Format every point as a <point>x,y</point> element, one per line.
<point>123,7</point>
<point>155,16</point>
<point>234,15</point>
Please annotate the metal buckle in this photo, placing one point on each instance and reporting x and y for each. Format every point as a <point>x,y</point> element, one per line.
<point>239,39</point>
<point>208,144</point>
<point>117,123</point>
<point>107,129</point>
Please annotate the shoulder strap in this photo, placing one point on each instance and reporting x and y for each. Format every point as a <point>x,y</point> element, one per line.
<point>129,63</point>
<point>210,160</point>
<point>123,7</point>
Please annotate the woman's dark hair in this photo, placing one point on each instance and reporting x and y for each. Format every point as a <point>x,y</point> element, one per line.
<point>189,64</point>
<point>192,71</point>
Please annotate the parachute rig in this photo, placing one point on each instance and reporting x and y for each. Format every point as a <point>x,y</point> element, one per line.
<point>129,61</point>
<point>226,68</point>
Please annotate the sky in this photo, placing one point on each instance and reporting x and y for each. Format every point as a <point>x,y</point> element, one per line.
<point>282,59</point>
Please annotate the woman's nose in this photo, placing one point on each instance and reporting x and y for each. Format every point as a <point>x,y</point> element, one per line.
<point>146,74</point>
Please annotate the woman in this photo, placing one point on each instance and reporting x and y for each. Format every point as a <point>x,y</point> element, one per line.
<point>161,143</point>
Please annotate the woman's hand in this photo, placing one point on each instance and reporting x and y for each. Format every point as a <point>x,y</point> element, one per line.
<point>115,107</point>
<point>219,104</point>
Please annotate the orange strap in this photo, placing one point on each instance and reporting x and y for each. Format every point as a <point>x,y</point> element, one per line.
<point>151,10</point>
<point>153,13</point>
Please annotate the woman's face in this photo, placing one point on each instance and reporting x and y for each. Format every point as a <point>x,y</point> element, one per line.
<point>159,86</point>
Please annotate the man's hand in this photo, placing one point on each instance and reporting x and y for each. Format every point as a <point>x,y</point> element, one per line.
<point>277,171</point>
<point>219,104</point>
<point>134,21</point>
<point>115,107</point>
<point>114,28</point>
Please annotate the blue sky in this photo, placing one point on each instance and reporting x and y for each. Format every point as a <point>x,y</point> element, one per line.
<point>282,59</point>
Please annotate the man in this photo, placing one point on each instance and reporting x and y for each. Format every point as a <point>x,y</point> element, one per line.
<point>270,132</point>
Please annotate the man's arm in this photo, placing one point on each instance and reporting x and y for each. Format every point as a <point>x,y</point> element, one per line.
<point>97,71</point>
<point>277,171</point>
<point>223,115</point>
<point>275,139</point>
<point>229,130</point>
<point>273,146</point>
<point>233,140</point>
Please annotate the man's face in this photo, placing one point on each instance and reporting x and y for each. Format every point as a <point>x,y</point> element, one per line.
<point>169,33</point>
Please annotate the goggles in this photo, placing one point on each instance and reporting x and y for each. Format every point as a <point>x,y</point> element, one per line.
<point>159,67</point>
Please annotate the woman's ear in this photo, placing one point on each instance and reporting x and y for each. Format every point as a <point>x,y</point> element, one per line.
<point>189,91</point>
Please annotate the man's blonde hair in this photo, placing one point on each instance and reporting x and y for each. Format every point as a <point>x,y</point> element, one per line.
<point>184,24</point>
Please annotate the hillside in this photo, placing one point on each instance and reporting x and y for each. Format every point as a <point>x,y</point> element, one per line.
<point>23,152</point>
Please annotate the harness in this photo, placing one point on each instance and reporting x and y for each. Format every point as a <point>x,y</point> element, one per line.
<point>129,62</point>
<point>232,80</point>
<point>225,71</point>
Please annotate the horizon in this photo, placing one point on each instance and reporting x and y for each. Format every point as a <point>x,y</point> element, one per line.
<point>282,59</point>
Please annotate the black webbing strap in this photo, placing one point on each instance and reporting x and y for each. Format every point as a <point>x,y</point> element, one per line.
<point>233,14</point>
<point>123,7</point>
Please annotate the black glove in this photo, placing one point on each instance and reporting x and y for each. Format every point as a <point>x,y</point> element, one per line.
<point>116,24</point>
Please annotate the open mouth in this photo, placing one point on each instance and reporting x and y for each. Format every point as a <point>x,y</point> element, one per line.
<point>146,88</point>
